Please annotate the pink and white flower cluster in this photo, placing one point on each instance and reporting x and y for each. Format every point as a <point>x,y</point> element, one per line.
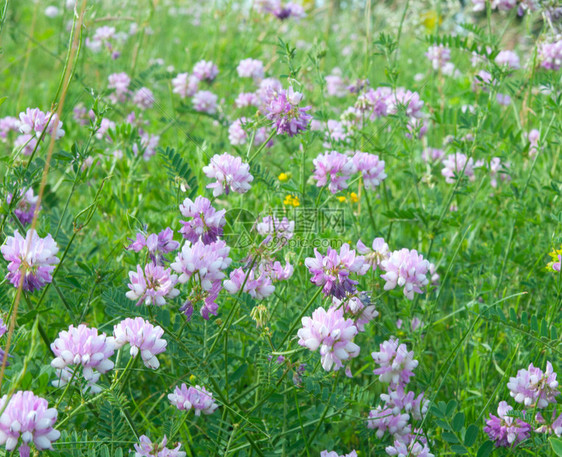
<point>197,398</point>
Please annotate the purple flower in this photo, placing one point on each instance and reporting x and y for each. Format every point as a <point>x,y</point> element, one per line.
<point>206,223</point>
<point>205,102</point>
<point>148,144</point>
<point>379,252</point>
<point>34,121</point>
<point>283,109</point>
<point>336,86</point>
<point>412,449</point>
<point>185,85</point>
<point>335,165</point>
<point>82,346</point>
<point>327,453</point>
<point>147,448</point>
<point>8,124</point>
<point>157,244</point>
<point>246,99</point>
<point>143,98</point>
<point>411,102</point>
<point>508,59</point>
<point>497,170</point>
<point>332,271</point>
<point>376,101</point>
<point>438,56</point>
<point>119,82</point>
<point>142,337</point>
<point>25,207</point>
<point>555,426</point>
<point>197,398</point>
<point>533,136</point>
<point>31,259</point>
<point>25,144</point>
<point>506,431</point>
<point>396,363</point>
<point>28,418</point>
<point>230,174</point>
<point>405,268</point>
<point>258,285</point>
<point>278,230</point>
<point>332,333</point>
<point>383,419</point>
<point>371,168</point>
<point>204,70</point>
<point>152,286</point>
<point>458,164</point>
<point>359,307</point>
<point>250,68</point>
<point>550,54</point>
<point>532,387</point>
<point>205,261</point>
<point>237,135</point>
<point>432,154</point>
<point>105,126</point>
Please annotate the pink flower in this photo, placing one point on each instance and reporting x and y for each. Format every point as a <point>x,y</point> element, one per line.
<point>282,107</point>
<point>396,363</point>
<point>31,259</point>
<point>412,449</point>
<point>246,99</point>
<point>506,431</point>
<point>152,286</point>
<point>237,135</point>
<point>82,346</point>
<point>205,102</point>
<point>498,170</point>
<point>550,54</point>
<point>259,286</point>
<point>336,86</point>
<point>379,252</point>
<point>185,85</point>
<point>332,333</point>
<point>438,56</point>
<point>371,168</point>
<point>359,307</point>
<point>206,222</point>
<point>509,59</point>
<point>143,98</point>
<point>147,448</point>
<point>205,70</point>
<point>205,261</point>
<point>405,268</point>
<point>250,68</point>
<point>142,337</point>
<point>28,418</point>
<point>25,207</point>
<point>338,167</point>
<point>230,174</point>
<point>532,387</point>
<point>119,82</point>
<point>458,164</point>
<point>197,398</point>
<point>332,271</point>
<point>157,244</point>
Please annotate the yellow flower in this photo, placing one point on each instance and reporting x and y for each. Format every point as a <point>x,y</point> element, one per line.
<point>354,197</point>
<point>341,199</point>
<point>555,254</point>
<point>284,176</point>
<point>291,200</point>
<point>429,20</point>
<point>192,378</point>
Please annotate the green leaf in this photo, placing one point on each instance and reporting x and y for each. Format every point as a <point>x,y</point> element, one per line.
<point>471,435</point>
<point>457,449</point>
<point>486,449</point>
<point>451,406</point>
<point>450,438</point>
<point>556,445</point>
<point>458,422</point>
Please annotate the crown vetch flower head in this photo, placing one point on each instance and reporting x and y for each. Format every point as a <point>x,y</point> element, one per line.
<point>197,398</point>
<point>206,222</point>
<point>371,167</point>
<point>31,259</point>
<point>282,108</point>
<point>82,346</point>
<point>26,419</point>
<point>204,70</point>
<point>185,85</point>
<point>533,387</point>
<point>332,333</point>
<point>412,449</point>
<point>146,448</point>
<point>406,268</point>
<point>142,336</point>
<point>157,244</point>
<point>230,174</point>
<point>251,68</point>
<point>25,207</point>
<point>208,261</point>
<point>205,101</point>
<point>396,363</point>
<point>153,285</point>
<point>337,167</point>
<point>332,270</point>
<point>506,431</point>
